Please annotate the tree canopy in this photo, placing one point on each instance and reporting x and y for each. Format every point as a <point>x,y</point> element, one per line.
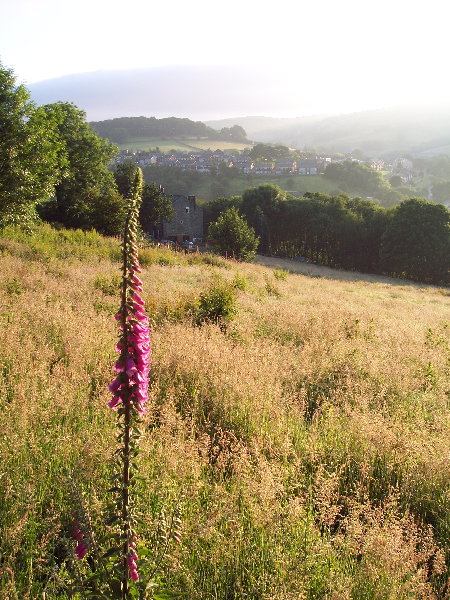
<point>441,191</point>
<point>213,209</point>
<point>261,207</point>
<point>356,176</point>
<point>31,152</point>
<point>416,242</point>
<point>155,206</point>
<point>236,133</point>
<point>269,151</point>
<point>86,182</point>
<point>410,241</point>
<point>231,235</point>
<point>53,164</point>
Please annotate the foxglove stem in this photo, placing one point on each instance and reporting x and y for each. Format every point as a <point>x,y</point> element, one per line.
<point>130,387</point>
<point>127,410</point>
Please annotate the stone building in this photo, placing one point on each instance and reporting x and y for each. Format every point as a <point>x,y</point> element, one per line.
<point>187,222</point>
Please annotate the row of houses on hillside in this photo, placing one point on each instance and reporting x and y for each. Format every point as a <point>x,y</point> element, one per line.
<point>208,161</point>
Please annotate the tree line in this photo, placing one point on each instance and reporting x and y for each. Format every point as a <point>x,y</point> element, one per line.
<point>123,129</point>
<point>410,240</point>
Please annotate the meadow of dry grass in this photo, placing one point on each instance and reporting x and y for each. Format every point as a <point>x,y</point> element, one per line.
<point>306,442</point>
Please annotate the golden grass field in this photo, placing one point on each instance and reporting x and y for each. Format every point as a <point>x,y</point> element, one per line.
<point>307,442</point>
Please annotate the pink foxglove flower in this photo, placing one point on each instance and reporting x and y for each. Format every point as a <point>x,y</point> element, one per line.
<point>137,299</point>
<point>114,402</point>
<point>77,534</point>
<point>81,550</point>
<point>129,388</point>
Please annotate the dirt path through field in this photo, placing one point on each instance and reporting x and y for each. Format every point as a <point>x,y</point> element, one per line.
<point>311,270</point>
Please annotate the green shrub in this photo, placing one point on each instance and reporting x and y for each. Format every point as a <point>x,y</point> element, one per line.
<point>160,256</point>
<point>109,285</point>
<point>272,289</point>
<point>280,274</point>
<point>13,287</point>
<point>217,305</point>
<point>231,235</point>
<point>208,259</point>
<point>240,282</point>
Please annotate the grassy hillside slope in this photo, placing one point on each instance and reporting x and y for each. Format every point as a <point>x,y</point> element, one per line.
<point>306,443</point>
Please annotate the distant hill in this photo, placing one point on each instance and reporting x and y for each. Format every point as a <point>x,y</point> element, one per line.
<point>419,131</point>
<point>208,93</point>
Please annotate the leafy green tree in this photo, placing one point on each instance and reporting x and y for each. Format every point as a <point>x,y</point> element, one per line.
<point>86,175</point>
<point>125,128</point>
<point>441,191</point>
<point>238,134</point>
<point>105,211</point>
<point>416,243</point>
<point>30,152</point>
<point>124,174</point>
<point>235,134</point>
<point>262,206</point>
<point>373,220</point>
<point>438,166</point>
<point>155,205</point>
<point>395,181</point>
<point>213,209</point>
<point>269,151</point>
<point>332,230</point>
<point>232,235</point>
<point>267,196</point>
<point>358,154</point>
<point>353,176</point>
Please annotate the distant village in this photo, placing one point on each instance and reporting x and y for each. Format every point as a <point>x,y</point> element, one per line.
<point>186,226</point>
<point>209,161</point>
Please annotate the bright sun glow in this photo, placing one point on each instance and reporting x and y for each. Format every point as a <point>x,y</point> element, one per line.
<point>334,56</point>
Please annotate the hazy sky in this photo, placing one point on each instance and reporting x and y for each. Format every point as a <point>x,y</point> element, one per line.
<point>339,55</point>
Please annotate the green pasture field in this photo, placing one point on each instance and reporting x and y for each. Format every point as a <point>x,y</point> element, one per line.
<point>184,145</point>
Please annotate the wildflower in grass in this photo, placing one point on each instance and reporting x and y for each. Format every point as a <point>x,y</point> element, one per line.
<point>81,548</point>
<point>129,390</point>
<point>132,368</point>
<point>130,387</point>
